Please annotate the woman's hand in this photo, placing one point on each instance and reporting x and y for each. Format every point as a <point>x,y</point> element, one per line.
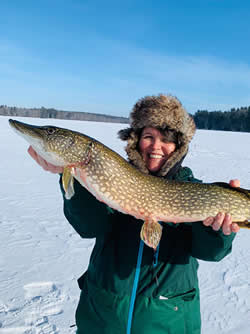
<point>43,163</point>
<point>222,220</point>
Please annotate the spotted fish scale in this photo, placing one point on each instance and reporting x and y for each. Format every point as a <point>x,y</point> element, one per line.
<point>112,180</point>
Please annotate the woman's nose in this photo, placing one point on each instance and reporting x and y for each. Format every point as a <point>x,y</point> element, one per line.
<point>156,144</point>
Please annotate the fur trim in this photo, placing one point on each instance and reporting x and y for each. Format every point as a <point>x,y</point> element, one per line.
<point>164,112</point>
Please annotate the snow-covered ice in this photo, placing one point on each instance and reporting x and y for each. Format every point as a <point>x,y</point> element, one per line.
<point>42,257</point>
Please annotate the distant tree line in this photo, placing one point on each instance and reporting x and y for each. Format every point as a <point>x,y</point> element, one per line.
<point>60,114</point>
<point>233,120</point>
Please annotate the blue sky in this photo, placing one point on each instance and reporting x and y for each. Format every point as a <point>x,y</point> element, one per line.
<point>102,56</point>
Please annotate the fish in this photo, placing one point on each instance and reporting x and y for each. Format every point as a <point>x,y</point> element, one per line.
<point>114,181</point>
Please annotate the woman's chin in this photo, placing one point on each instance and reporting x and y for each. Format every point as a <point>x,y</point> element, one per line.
<point>154,167</point>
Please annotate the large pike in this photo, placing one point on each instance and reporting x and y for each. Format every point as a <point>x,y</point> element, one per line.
<point>112,180</point>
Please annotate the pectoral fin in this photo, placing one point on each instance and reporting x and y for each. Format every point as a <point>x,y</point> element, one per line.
<point>151,232</point>
<point>68,183</point>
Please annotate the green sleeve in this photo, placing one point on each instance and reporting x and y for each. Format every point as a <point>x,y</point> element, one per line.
<point>210,245</point>
<point>89,217</point>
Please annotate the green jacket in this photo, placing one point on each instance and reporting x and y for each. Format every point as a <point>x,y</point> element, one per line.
<point>167,297</point>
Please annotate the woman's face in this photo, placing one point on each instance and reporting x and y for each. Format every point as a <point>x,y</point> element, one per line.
<point>154,148</point>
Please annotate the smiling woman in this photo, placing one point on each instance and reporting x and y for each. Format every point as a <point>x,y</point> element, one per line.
<point>155,148</point>
<point>130,287</point>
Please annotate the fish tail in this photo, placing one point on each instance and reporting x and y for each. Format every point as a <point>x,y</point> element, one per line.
<point>244,224</point>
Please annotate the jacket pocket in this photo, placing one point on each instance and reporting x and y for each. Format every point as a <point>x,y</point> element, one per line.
<point>192,317</point>
<point>181,312</point>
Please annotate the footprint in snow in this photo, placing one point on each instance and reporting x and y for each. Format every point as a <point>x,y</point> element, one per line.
<point>45,297</point>
<point>43,300</point>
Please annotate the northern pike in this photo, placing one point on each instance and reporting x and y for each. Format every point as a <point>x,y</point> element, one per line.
<point>112,180</point>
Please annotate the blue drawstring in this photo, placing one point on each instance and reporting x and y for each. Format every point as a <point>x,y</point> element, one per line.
<point>136,280</point>
<point>156,255</point>
<point>135,285</point>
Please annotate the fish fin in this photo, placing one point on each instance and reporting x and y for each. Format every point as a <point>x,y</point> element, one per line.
<point>68,183</point>
<point>151,232</point>
<point>238,189</point>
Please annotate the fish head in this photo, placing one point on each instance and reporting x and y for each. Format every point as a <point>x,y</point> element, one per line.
<point>58,146</point>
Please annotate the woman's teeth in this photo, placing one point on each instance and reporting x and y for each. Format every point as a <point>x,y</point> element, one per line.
<point>155,156</point>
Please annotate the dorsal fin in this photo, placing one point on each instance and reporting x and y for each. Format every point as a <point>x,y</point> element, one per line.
<point>237,189</point>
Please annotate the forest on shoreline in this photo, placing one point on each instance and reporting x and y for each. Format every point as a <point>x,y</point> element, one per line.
<point>233,120</point>
<point>237,119</point>
<point>59,114</point>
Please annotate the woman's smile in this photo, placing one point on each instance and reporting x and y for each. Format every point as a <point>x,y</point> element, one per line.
<point>154,148</point>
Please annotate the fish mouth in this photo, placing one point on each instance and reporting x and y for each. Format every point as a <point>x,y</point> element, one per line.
<point>25,129</point>
<point>33,134</point>
<point>37,137</point>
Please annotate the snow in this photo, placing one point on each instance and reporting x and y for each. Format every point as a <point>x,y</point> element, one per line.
<point>42,257</point>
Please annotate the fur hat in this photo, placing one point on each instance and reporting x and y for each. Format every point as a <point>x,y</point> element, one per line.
<point>163,112</point>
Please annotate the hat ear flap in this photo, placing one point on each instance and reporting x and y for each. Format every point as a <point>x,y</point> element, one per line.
<point>176,157</point>
<point>132,138</point>
<point>129,135</point>
<point>125,134</point>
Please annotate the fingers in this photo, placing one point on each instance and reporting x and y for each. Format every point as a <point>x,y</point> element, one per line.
<point>222,221</point>
<point>32,152</point>
<point>227,225</point>
<point>208,221</point>
<point>215,222</point>
<point>218,221</point>
<point>55,169</point>
<point>234,183</point>
<point>235,228</point>
<point>43,163</point>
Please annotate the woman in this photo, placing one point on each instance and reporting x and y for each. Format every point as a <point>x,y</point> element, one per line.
<point>128,287</point>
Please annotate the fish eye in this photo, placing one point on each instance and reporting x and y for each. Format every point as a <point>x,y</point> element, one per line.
<point>50,131</point>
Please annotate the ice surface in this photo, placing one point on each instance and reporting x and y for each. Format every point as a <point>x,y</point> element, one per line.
<point>42,257</point>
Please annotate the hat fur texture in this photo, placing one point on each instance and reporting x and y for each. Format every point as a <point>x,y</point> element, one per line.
<point>163,112</point>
